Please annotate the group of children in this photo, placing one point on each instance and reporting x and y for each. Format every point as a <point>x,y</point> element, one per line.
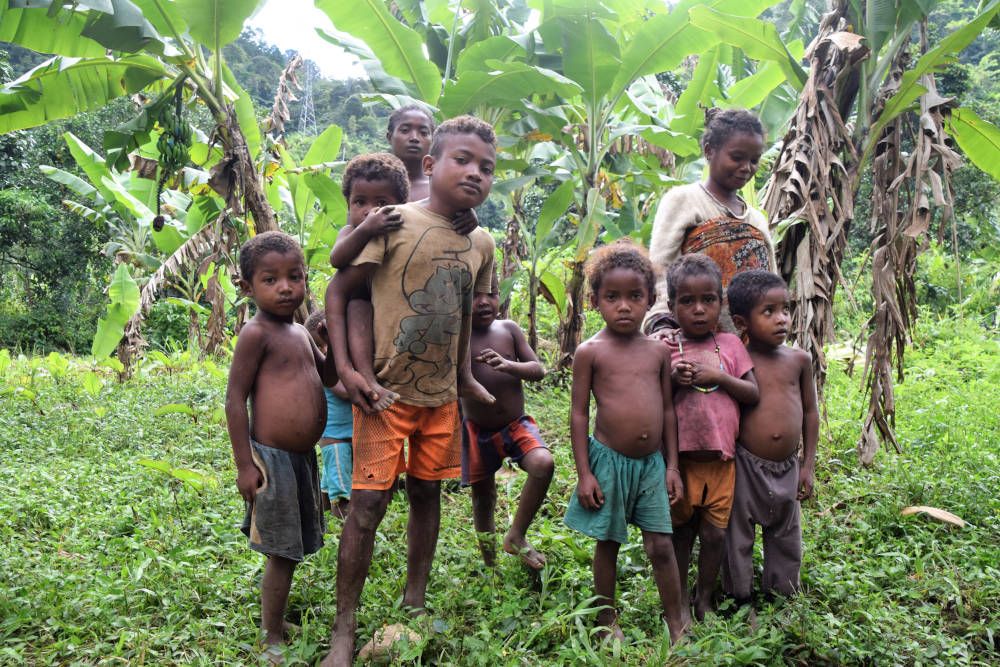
<point>421,377</point>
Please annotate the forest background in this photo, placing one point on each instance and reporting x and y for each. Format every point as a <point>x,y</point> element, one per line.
<point>129,548</point>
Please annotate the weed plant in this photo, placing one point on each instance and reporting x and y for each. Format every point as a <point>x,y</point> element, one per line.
<point>106,560</point>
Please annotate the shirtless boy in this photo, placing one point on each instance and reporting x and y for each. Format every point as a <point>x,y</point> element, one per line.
<point>501,359</point>
<point>627,468</point>
<point>278,367</point>
<point>770,479</point>
<point>422,278</point>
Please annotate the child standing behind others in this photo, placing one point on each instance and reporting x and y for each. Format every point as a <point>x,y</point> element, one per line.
<point>712,377</point>
<point>278,368</point>
<point>501,359</point>
<point>770,481</point>
<point>627,468</point>
<point>335,445</point>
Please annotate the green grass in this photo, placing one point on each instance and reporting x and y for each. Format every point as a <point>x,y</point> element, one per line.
<point>106,561</point>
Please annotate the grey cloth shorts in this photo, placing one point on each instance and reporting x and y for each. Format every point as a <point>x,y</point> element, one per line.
<point>286,516</point>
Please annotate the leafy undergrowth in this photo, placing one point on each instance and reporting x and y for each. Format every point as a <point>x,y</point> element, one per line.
<point>119,538</point>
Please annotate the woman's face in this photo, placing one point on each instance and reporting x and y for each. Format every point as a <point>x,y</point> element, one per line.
<point>733,164</point>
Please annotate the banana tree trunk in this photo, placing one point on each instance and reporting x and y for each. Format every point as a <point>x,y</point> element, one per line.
<point>513,248</point>
<point>572,325</point>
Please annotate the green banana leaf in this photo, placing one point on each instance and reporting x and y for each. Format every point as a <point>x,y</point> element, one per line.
<point>978,139</point>
<point>502,84</point>
<point>124,295</point>
<point>215,23</point>
<point>32,28</point>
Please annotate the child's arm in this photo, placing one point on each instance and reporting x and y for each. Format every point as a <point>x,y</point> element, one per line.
<point>525,367</point>
<point>587,489</point>
<point>352,240</point>
<point>465,222</point>
<point>246,361</point>
<point>675,485</point>
<point>810,427</point>
<point>345,283</point>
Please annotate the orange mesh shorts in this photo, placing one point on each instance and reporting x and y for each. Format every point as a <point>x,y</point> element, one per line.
<point>434,450</point>
<point>708,486</point>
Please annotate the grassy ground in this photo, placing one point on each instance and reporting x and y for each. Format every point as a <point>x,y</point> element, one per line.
<point>104,560</point>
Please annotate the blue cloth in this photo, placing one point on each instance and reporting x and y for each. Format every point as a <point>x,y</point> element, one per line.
<point>635,491</point>
<point>339,417</point>
<point>338,464</point>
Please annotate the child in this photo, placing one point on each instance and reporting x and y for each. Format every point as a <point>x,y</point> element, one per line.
<point>769,480</point>
<point>711,217</point>
<point>422,279</point>
<point>409,136</point>
<point>712,376</point>
<point>335,445</point>
<point>501,359</point>
<point>627,468</point>
<point>277,366</point>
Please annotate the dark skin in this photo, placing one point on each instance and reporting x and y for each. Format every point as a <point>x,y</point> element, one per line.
<point>501,360</point>
<point>461,176</point>
<point>697,304</point>
<point>787,411</point>
<point>410,139</point>
<point>731,166</point>
<point>278,368</point>
<point>628,375</point>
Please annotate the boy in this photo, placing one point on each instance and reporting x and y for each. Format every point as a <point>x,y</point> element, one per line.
<point>501,359</point>
<point>769,479</point>
<point>422,279</point>
<point>627,468</point>
<point>277,366</point>
<point>712,376</point>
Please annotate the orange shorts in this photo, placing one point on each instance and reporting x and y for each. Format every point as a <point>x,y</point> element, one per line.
<point>708,486</point>
<point>435,445</point>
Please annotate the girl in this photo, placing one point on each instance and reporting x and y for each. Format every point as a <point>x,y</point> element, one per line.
<point>711,217</point>
<point>409,137</point>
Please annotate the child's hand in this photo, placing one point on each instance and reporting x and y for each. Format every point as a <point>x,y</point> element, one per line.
<point>588,491</point>
<point>806,477</point>
<point>383,220</point>
<point>495,360</point>
<point>682,373</point>
<point>248,480</point>
<point>465,222</point>
<point>705,375</point>
<point>358,391</point>
<point>675,485</point>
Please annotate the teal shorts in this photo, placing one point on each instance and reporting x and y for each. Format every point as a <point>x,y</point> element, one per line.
<point>635,491</point>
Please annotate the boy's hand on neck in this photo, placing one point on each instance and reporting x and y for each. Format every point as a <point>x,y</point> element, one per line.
<point>465,222</point>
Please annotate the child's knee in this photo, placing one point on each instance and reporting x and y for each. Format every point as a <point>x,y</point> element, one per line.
<point>659,548</point>
<point>711,536</point>
<point>484,493</point>
<point>539,464</point>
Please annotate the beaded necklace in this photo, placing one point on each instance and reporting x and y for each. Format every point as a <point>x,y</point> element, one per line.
<point>680,349</point>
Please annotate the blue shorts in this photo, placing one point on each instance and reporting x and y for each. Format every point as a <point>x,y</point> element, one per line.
<point>335,475</point>
<point>635,491</point>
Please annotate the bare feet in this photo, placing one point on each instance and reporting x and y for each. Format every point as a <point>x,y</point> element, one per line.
<point>610,633</point>
<point>341,645</point>
<point>488,548</point>
<point>380,397</point>
<point>519,546</point>
<point>678,627</point>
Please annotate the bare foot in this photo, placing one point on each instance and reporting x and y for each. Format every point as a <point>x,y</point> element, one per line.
<point>678,627</point>
<point>610,633</point>
<point>488,548</point>
<point>702,607</point>
<point>470,388</point>
<point>341,646</point>
<point>518,546</point>
<point>380,397</point>
<point>274,654</point>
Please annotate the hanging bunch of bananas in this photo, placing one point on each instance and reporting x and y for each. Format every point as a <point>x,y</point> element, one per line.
<point>173,145</point>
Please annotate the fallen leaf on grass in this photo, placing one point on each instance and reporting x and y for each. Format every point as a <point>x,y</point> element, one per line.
<point>381,647</point>
<point>934,513</point>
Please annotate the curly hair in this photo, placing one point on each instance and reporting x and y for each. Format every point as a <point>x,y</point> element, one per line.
<point>377,167</point>
<point>260,245</point>
<point>622,254</point>
<point>398,114</point>
<point>695,264</point>
<point>462,125</point>
<point>748,288</point>
<point>315,319</point>
<point>720,124</point>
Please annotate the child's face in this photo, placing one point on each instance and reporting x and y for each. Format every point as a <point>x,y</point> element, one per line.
<point>485,307</point>
<point>732,165</point>
<point>622,299</point>
<point>410,139</point>
<point>278,285</point>
<point>697,305</point>
<point>367,195</point>
<point>461,177</point>
<point>769,318</point>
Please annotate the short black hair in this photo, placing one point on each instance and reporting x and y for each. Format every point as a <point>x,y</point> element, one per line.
<point>396,115</point>
<point>621,254</point>
<point>720,124</point>
<point>315,319</point>
<point>377,167</point>
<point>260,245</point>
<point>695,264</point>
<point>749,287</point>
<point>462,125</point>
